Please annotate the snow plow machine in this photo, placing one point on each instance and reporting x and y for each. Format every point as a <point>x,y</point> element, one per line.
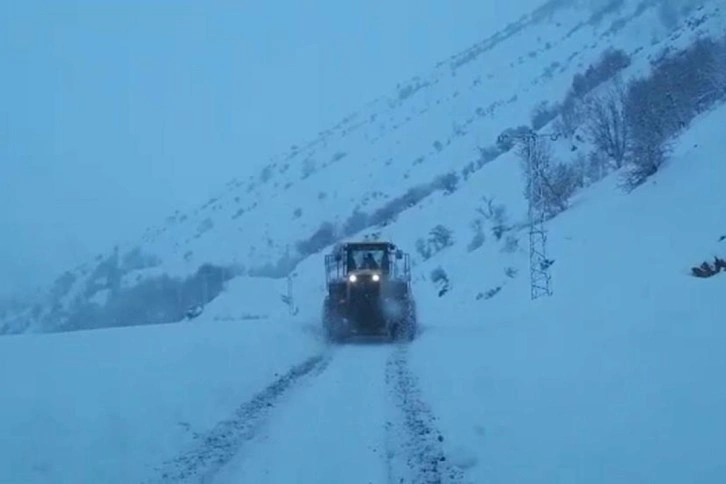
<point>369,293</point>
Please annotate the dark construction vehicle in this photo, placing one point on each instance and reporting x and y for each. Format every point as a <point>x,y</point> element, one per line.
<point>369,292</point>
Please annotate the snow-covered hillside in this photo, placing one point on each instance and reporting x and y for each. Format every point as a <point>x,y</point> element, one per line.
<point>615,378</point>
<point>386,166</point>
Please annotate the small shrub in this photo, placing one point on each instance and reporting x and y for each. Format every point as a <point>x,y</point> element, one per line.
<point>265,174</point>
<point>441,281</point>
<point>496,214</point>
<point>440,237</point>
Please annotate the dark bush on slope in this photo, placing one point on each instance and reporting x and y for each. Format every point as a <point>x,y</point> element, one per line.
<point>607,66</point>
<point>324,236</point>
<point>157,300</point>
<point>62,285</point>
<point>441,281</point>
<point>572,111</point>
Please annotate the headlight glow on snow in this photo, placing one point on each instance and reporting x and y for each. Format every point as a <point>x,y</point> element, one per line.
<point>352,278</point>
<point>376,277</point>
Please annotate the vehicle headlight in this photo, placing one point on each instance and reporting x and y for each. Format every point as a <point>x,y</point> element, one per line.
<point>376,278</point>
<point>352,278</point>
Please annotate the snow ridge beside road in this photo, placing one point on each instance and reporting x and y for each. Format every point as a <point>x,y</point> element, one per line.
<point>223,442</point>
<point>353,413</point>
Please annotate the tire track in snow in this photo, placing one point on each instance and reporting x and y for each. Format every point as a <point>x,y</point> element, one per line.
<point>330,430</point>
<point>218,446</point>
<point>414,444</point>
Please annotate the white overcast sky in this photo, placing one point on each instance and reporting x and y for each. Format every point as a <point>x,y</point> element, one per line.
<point>115,113</point>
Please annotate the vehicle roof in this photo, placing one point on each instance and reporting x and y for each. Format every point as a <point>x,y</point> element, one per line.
<point>367,245</point>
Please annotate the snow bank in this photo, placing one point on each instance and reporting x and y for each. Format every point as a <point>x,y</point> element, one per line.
<point>107,405</point>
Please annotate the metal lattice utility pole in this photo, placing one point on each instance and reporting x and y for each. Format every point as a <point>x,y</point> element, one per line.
<point>539,273</point>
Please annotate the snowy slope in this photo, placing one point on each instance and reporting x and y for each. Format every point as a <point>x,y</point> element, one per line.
<point>617,376</point>
<point>614,378</point>
<point>353,174</point>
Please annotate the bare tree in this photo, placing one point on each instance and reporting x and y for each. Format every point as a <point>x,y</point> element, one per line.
<point>496,214</point>
<point>607,125</point>
<point>646,160</point>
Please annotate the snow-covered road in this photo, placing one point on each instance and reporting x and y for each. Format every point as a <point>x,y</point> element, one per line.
<point>326,428</point>
<point>353,414</point>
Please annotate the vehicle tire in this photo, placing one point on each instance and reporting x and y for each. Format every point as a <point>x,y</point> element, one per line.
<point>331,326</point>
<point>394,331</point>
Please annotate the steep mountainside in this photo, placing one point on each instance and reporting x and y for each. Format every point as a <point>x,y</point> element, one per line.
<point>615,378</point>
<point>398,167</point>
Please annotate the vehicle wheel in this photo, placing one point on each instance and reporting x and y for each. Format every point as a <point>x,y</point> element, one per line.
<point>394,331</point>
<point>331,325</point>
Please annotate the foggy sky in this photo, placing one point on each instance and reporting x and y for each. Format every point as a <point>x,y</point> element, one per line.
<point>117,113</point>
